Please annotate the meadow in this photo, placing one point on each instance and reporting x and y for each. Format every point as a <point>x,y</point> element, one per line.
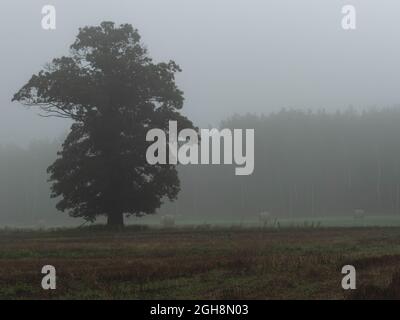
<point>201,262</point>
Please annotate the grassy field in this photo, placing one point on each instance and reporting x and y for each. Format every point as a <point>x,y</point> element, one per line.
<point>200,263</point>
<point>251,221</point>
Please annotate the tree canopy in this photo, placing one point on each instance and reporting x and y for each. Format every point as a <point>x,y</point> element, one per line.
<point>114,93</point>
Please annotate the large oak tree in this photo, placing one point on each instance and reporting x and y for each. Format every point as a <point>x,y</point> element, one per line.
<point>114,93</point>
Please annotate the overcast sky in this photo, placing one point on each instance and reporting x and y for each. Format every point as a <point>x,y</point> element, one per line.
<point>237,56</point>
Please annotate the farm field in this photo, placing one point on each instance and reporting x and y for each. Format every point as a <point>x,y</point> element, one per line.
<point>253,221</point>
<point>200,263</point>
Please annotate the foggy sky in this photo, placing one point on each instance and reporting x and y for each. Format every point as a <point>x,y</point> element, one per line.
<point>237,56</point>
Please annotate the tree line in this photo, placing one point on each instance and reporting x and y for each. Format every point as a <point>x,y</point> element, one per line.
<point>306,164</point>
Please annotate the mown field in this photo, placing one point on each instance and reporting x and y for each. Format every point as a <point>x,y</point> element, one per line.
<point>201,263</point>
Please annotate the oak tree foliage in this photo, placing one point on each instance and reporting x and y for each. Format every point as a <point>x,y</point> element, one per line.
<point>114,93</point>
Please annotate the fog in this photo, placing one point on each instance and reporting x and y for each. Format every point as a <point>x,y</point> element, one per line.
<point>237,56</point>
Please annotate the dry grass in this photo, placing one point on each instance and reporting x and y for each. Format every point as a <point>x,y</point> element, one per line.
<point>200,264</point>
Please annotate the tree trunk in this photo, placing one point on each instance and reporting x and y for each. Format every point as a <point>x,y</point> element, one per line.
<point>115,220</point>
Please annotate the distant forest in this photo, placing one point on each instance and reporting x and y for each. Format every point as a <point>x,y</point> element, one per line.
<point>306,164</point>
